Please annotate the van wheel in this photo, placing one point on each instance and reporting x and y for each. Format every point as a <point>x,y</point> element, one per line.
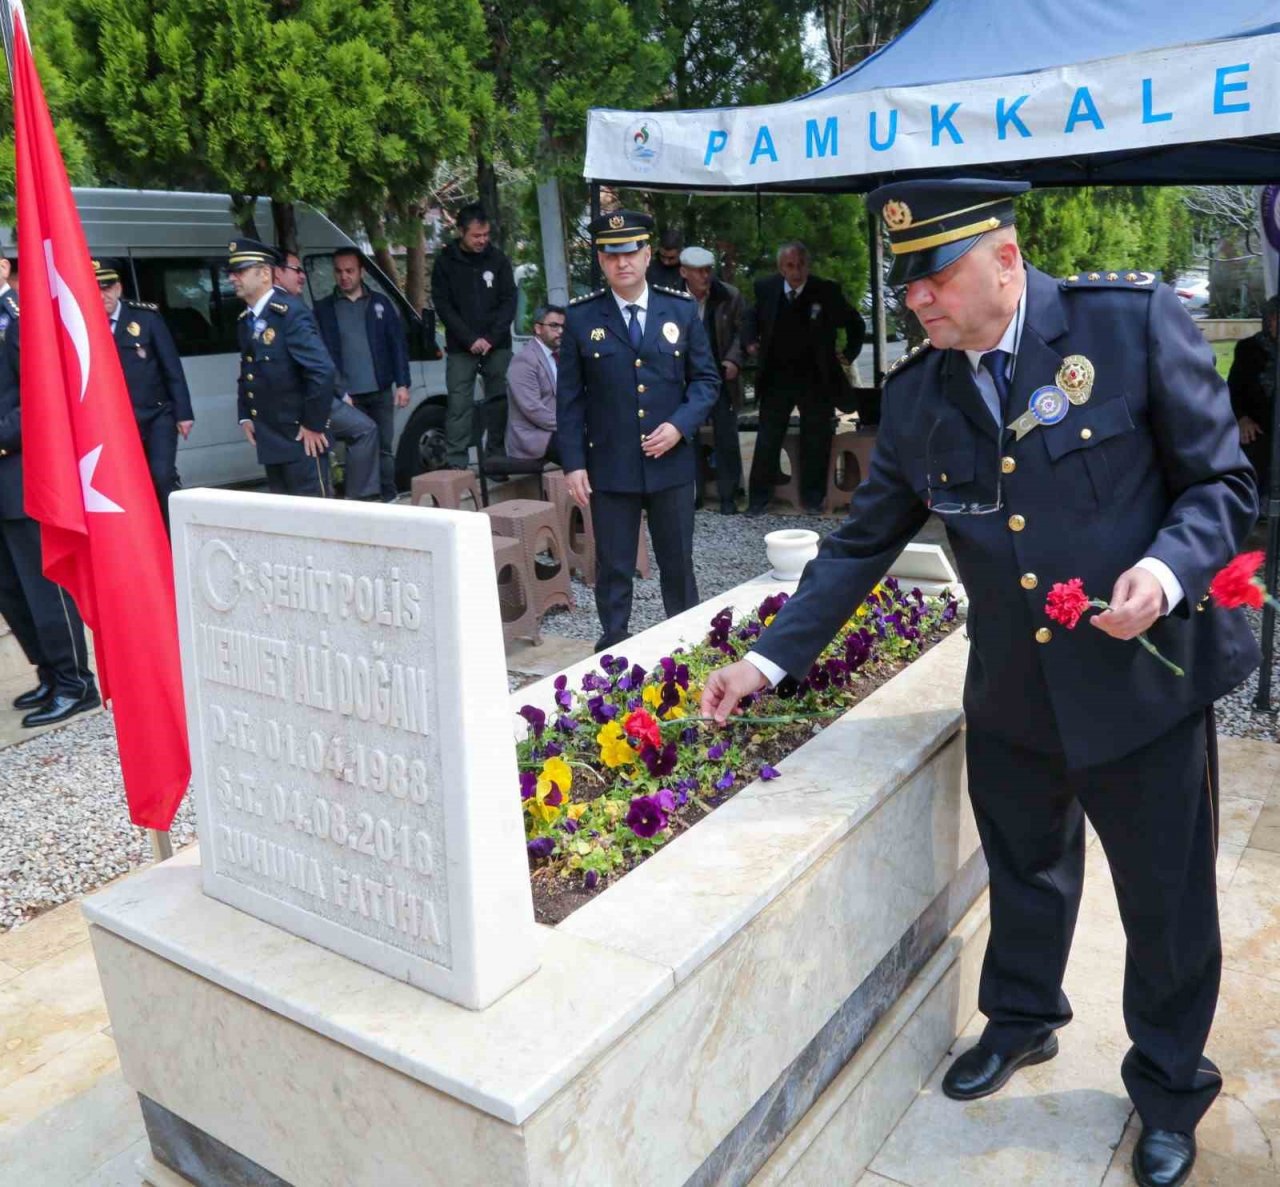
<point>422,444</point>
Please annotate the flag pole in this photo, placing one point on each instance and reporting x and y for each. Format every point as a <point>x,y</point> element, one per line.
<point>161,844</point>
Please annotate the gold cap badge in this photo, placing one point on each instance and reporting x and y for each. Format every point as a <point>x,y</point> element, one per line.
<point>134,328</point>
<point>896,215</point>
<point>617,221</point>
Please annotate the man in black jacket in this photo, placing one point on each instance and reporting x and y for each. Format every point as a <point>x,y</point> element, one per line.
<point>1252,381</point>
<point>793,329</point>
<point>474,292</point>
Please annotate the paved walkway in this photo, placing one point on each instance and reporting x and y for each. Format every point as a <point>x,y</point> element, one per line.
<point>67,1119</point>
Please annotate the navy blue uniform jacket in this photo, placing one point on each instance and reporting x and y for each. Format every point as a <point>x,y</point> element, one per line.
<point>608,396</point>
<point>150,361</point>
<point>386,338</point>
<point>1150,466</point>
<point>10,412</point>
<point>286,377</point>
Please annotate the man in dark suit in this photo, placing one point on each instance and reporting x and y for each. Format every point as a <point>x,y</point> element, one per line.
<point>1252,381</point>
<point>637,379</point>
<point>153,374</point>
<point>531,389</point>
<point>41,614</point>
<point>1120,465</point>
<point>286,376</point>
<point>793,330</point>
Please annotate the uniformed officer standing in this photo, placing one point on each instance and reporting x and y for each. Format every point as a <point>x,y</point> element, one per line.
<point>287,381</point>
<point>636,380</point>
<point>41,614</point>
<point>153,374</point>
<point>1063,429</point>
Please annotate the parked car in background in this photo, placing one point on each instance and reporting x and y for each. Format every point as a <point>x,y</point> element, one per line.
<point>1193,292</point>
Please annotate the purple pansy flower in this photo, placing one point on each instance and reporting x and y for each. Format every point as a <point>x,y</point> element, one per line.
<point>528,784</point>
<point>553,750</point>
<point>536,718</point>
<point>601,711</point>
<point>591,879</point>
<point>645,816</point>
<point>725,781</point>
<point>541,847</point>
<point>767,772</point>
<point>569,826</point>
<point>666,799</point>
<point>565,724</point>
<point>689,736</point>
<point>660,762</point>
<point>715,752</point>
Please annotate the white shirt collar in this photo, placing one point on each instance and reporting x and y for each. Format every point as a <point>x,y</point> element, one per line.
<point>546,350</point>
<point>5,289</point>
<point>261,303</point>
<point>787,287</point>
<point>1009,340</point>
<point>642,300</point>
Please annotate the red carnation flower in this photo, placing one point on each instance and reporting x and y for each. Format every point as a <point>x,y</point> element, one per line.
<point>1066,602</point>
<point>1238,584</point>
<point>644,727</point>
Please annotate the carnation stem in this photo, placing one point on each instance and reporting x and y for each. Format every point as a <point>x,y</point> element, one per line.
<point>742,719</point>
<point>1142,638</point>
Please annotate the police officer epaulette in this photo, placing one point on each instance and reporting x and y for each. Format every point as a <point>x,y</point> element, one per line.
<point>278,306</point>
<point>588,297</point>
<point>916,352</point>
<point>245,313</point>
<point>12,302</point>
<point>662,288</point>
<point>143,305</point>
<point>1111,280</point>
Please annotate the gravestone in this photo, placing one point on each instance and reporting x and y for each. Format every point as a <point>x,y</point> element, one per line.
<point>352,758</point>
<point>926,567</point>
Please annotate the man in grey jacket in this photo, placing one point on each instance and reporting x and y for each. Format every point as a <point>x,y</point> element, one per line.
<point>531,385</point>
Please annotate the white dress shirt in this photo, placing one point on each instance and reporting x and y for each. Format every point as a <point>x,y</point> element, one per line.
<point>256,308</point>
<point>1009,341</point>
<point>642,301</point>
<point>551,360</point>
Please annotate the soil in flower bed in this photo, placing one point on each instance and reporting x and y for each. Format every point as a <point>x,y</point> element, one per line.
<point>562,858</point>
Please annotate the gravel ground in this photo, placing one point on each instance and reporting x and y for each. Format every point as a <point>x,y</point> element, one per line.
<point>64,829</point>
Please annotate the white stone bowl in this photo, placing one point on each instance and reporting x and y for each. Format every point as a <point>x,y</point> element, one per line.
<point>789,550</point>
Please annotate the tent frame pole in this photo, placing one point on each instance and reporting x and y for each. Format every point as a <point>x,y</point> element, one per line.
<point>879,328</point>
<point>597,277</point>
<point>1263,699</point>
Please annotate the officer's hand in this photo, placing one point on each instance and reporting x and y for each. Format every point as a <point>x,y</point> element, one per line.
<point>348,400</point>
<point>1136,602</point>
<point>664,438</point>
<point>402,397</point>
<point>579,487</point>
<point>725,687</point>
<point>313,443</point>
<point>247,426</point>
<point>731,371</point>
<point>481,346</point>
<point>184,427</point>
<point>753,349</point>
<point>1250,430</point>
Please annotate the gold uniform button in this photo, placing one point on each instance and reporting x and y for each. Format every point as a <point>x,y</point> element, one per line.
<point>640,388</point>
<point>638,361</point>
<point>640,414</point>
<point>942,478</point>
<point>253,412</point>
<point>1043,635</point>
<point>1085,434</point>
<point>1016,523</point>
<point>249,378</point>
<point>1007,465</point>
<point>597,354</point>
<point>1029,581</point>
<point>677,354</point>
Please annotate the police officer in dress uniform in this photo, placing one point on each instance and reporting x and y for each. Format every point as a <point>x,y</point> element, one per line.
<point>1073,428</point>
<point>153,374</point>
<point>287,380</point>
<point>636,380</point>
<point>41,614</point>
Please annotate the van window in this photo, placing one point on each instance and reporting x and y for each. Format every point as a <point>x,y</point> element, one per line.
<point>319,266</point>
<point>196,300</point>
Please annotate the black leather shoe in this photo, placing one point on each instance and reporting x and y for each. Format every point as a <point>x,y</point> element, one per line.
<point>42,694</point>
<point>60,708</point>
<point>980,1072</point>
<point>728,507</point>
<point>755,510</point>
<point>1163,1158</point>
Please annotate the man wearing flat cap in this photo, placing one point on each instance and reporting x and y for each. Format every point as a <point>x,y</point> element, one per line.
<point>721,310</point>
<point>1062,429</point>
<point>636,381</point>
<point>153,374</point>
<point>287,380</point>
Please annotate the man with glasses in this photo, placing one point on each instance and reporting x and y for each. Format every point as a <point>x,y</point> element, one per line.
<point>1064,429</point>
<point>531,388</point>
<point>346,422</point>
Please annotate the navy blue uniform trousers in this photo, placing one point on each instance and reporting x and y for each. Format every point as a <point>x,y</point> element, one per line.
<point>615,518</point>
<point>1155,815</point>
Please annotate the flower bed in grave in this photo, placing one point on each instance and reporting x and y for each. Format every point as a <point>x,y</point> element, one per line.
<point>624,765</point>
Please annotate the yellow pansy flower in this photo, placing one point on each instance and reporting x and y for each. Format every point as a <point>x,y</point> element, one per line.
<point>615,750</point>
<point>554,770</point>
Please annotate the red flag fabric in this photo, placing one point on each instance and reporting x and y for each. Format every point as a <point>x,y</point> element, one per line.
<point>85,475</point>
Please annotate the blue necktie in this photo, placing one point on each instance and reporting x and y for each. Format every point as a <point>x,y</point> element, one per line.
<point>997,365</point>
<point>634,333</point>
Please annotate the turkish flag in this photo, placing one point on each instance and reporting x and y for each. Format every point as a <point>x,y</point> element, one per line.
<point>85,476</point>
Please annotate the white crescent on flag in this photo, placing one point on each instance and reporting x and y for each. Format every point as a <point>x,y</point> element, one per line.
<point>72,317</point>
<point>94,500</point>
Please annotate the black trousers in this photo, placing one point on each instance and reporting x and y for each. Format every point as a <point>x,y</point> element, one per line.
<point>1154,811</point>
<point>159,432</point>
<point>724,437</point>
<point>616,521</point>
<point>307,476</point>
<point>782,394</point>
<point>380,408</point>
<point>41,614</point>
<point>353,427</point>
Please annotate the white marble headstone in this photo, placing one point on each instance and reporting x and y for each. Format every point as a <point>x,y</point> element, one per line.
<point>351,750</point>
<point>926,567</point>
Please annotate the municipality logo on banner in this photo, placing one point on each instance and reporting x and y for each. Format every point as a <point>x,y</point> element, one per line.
<point>1269,218</point>
<point>642,145</point>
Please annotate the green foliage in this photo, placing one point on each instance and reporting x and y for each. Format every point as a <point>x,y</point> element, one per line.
<point>1118,227</point>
